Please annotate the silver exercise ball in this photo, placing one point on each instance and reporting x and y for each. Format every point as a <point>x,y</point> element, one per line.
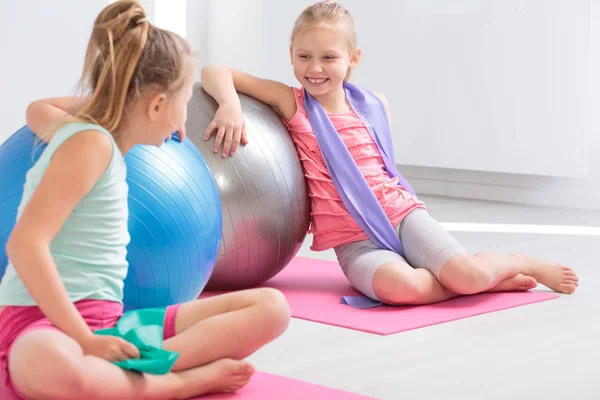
<point>264,198</point>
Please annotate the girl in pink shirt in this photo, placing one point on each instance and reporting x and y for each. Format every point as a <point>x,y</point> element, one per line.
<point>433,266</point>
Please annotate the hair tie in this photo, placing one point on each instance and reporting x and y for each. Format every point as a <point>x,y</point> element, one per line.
<point>142,20</point>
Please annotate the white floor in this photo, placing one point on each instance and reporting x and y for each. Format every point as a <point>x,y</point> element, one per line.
<point>548,350</point>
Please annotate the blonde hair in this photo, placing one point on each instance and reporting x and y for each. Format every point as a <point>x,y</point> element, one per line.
<point>327,13</point>
<point>126,56</point>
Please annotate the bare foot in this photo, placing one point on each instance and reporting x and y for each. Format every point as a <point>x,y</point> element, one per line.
<point>557,277</point>
<point>517,283</point>
<point>225,375</point>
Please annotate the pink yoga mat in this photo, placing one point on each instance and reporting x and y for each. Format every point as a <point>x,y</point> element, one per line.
<point>263,386</point>
<point>314,287</point>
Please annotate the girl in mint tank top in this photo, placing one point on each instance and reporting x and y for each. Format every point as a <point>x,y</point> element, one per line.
<point>139,80</point>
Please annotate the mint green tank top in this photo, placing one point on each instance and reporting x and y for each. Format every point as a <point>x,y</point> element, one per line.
<point>90,250</point>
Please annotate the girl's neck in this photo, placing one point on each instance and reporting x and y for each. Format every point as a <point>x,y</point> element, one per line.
<point>123,144</point>
<point>335,101</point>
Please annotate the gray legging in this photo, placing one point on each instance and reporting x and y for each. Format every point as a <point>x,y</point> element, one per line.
<point>426,245</point>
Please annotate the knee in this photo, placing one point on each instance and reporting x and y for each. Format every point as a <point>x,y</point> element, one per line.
<point>275,309</point>
<point>465,274</point>
<point>399,290</point>
<point>41,370</point>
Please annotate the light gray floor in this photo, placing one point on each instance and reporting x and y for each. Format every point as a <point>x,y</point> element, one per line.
<point>548,350</point>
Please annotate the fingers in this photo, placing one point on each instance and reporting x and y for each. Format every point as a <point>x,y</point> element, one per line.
<point>125,351</point>
<point>130,350</point>
<point>182,133</point>
<point>237,134</point>
<point>228,134</point>
<point>119,356</point>
<point>209,130</point>
<point>244,135</point>
<point>219,138</point>
<point>229,141</point>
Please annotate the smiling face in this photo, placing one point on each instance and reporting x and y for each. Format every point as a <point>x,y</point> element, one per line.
<point>322,58</point>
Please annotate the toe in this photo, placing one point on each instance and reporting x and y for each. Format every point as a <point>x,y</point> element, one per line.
<point>240,368</point>
<point>531,282</point>
<point>567,288</point>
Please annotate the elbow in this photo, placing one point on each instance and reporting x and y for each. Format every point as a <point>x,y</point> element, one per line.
<point>30,113</point>
<point>205,75</point>
<point>213,67</point>
<point>32,118</point>
<point>16,244</point>
<point>11,246</point>
<point>211,70</point>
<point>207,70</point>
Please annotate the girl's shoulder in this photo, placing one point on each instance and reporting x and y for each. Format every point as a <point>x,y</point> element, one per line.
<point>300,119</point>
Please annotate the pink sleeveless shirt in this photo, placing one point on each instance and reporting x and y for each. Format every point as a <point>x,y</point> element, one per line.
<point>332,225</point>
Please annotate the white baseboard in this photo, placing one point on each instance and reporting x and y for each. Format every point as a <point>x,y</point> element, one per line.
<point>542,191</point>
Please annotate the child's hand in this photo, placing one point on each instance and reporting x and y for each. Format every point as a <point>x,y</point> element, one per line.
<point>182,133</point>
<point>229,124</point>
<point>110,348</point>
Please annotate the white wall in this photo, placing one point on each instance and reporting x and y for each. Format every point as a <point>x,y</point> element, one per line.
<point>493,100</point>
<point>42,45</point>
<point>581,192</point>
<point>45,59</point>
<point>481,85</point>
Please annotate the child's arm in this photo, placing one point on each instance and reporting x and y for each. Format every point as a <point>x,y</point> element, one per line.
<point>223,84</point>
<point>73,171</point>
<point>41,114</point>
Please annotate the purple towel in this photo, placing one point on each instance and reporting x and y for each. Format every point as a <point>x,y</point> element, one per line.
<point>352,187</point>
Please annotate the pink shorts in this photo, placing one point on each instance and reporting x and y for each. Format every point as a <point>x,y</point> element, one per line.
<point>15,321</point>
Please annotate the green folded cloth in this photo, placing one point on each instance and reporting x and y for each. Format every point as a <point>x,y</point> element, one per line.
<point>144,329</point>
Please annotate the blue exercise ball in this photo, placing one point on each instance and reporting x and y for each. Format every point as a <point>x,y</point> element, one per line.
<point>175,217</point>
